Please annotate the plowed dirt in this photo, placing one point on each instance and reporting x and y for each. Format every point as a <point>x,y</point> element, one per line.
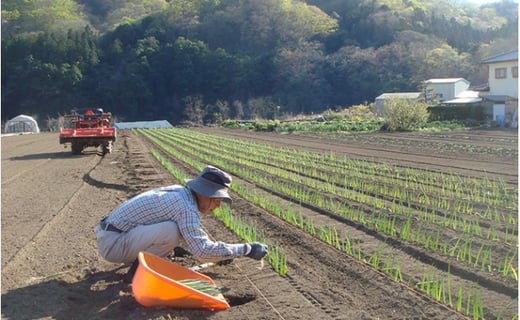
<point>52,200</point>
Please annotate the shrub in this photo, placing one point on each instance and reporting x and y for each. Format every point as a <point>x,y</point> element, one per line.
<point>270,125</point>
<point>404,114</point>
<point>359,112</point>
<point>331,115</point>
<point>231,124</point>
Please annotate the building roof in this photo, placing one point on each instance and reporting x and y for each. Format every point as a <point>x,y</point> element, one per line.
<point>465,97</point>
<point>463,100</point>
<point>498,98</point>
<point>468,94</point>
<point>400,95</point>
<point>446,80</point>
<point>502,57</point>
<point>480,87</point>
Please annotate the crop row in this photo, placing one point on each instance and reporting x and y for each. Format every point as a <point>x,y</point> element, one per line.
<point>377,178</point>
<point>248,160</point>
<point>391,218</point>
<point>361,185</point>
<point>245,230</point>
<point>499,146</point>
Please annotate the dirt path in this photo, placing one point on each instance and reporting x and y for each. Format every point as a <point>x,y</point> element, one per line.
<point>51,201</point>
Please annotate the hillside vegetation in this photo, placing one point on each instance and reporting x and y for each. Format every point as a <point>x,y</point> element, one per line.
<point>206,60</point>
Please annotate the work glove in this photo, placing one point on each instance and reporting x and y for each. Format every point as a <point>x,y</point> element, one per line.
<point>258,250</point>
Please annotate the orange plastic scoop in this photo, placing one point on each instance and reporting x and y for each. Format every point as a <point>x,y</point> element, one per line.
<point>158,282</point>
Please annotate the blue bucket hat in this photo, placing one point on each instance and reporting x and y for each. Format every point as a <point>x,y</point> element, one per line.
<point>212,183</point>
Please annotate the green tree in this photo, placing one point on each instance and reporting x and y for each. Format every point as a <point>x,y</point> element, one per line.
<point>404,114</point>
<point>446,62</point>
<point>301,84</point>
<point>352,73</point>
<point>24,17</point>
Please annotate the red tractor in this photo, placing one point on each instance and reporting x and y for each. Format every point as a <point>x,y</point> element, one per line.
<point>88,128</point>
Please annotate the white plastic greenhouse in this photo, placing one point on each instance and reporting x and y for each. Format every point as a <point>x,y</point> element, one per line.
<point>21,124</point>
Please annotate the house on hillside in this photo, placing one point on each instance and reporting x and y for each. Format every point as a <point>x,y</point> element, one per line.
<point>497,101</point>
<point>436,91</point>
<point>444,89</point>
<point>380,100</point>
<point>500,100</point>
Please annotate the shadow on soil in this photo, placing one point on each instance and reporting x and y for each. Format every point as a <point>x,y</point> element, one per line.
<point>59,155</point>
<point>87,178</point>
<point>48,155</point>
<point>101,295</point>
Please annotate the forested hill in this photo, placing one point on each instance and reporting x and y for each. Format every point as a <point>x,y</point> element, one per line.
<point>207,60</point>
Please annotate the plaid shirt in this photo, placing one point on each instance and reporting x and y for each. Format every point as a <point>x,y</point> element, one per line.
<point>175,203</point>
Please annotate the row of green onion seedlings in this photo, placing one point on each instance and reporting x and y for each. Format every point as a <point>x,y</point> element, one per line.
<point>245,230</point>
<point>350,184</point>
<point>493,192</point>
<point>428,241</point>
<point>330,236</point>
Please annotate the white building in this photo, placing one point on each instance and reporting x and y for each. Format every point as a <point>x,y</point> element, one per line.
<point>503,74</point>
<point>502,96</point>
<point>445,88</point>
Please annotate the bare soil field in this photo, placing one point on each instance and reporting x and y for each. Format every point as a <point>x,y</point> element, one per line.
<point>52,200</point>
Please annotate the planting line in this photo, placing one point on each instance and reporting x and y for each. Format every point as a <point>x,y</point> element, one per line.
<point>425,296</point>
<point>252,283</point>
<point>260,292</point>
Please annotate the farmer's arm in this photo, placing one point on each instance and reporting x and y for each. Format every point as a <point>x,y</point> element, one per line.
<point>199,243</point>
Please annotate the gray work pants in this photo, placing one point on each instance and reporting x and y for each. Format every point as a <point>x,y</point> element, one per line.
<point>159,239</point>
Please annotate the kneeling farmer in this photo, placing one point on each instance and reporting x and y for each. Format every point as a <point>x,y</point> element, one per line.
<point>158,220</point>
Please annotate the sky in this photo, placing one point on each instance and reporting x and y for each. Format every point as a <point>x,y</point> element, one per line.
<point>479,2</point>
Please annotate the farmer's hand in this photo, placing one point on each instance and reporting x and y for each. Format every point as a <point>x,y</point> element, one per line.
<point>258,250</point>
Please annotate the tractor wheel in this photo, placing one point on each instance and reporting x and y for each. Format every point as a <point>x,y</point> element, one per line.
<point>76,147</point>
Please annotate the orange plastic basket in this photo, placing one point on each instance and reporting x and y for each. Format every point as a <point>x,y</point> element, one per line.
<point>156,283</point>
